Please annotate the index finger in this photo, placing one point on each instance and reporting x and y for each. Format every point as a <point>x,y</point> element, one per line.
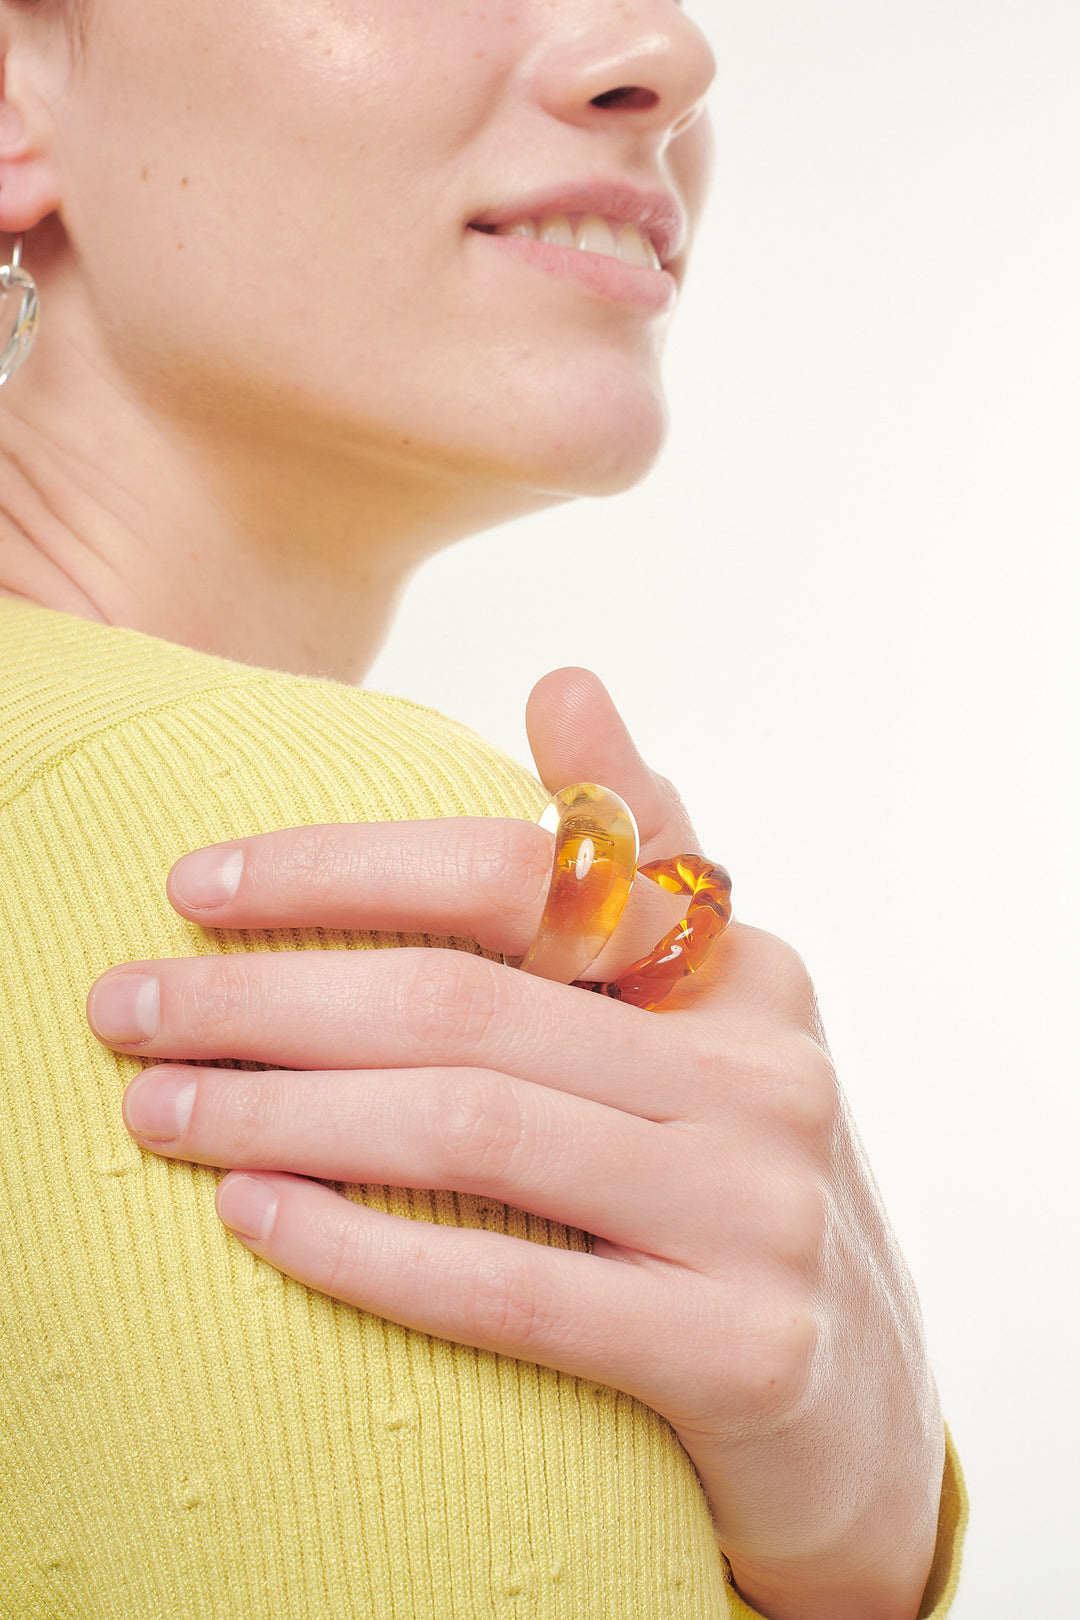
<point>484,879</point>
<point>466,877</point>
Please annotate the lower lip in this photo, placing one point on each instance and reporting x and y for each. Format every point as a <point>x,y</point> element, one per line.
<point>610,279</point>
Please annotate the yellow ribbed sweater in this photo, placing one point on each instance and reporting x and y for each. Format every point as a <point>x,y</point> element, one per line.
<point>188,1435</point>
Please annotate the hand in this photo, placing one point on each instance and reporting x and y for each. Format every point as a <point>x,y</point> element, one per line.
<point>743,1280</point>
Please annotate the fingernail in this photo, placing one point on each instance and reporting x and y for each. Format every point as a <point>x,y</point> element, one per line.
<point>124,1008</point>
<point>247,1206</point>
<point>207,877</point>
<point>157,1106</point>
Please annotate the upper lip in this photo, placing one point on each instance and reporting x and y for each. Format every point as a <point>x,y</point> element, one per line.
<point>657,214</point>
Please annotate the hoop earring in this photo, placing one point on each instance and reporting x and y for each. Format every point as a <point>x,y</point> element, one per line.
<point>21,341</point>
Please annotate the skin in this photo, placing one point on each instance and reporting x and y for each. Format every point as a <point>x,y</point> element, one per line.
<point>186,456</point>
<point>220,170</point>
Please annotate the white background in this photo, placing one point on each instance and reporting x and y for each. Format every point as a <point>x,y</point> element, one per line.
<point>841,616</point>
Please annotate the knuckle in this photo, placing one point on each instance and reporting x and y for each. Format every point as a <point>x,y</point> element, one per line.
<point>336,1240</point>
<point>240,1118</point>
<point>782,976</point>
<point>777,1363</point>
<point>507,1309</point>
<point>449,1001</point>
<point>217,998</point>
<point>791,980</point>
<point>802,1094</point>
<point>507,871</point>
<point>478,1130</point>
<point>814,1102</point>
<point>670,793</point>
<point>306,864</point>
<point>800,1219</point>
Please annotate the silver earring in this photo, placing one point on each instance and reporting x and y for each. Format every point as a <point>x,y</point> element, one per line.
<point>14,277</point>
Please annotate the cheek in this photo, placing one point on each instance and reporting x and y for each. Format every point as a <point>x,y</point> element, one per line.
<point>271,223</point>
<point>286,116</point>
<point>217,193</point>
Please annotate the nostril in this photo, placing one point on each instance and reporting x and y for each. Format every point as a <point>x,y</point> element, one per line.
<point>628,98</point>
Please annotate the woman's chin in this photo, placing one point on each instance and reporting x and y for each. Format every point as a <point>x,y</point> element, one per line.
<point>621,472</point>
<point>603,451</point>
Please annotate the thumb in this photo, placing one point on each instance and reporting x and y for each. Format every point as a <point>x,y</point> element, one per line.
<point>578,735</point>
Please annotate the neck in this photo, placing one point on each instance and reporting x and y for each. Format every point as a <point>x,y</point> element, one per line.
<point>239,540</point>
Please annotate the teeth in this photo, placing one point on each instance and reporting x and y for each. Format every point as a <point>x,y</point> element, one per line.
<point>557,230</point>
<point>594,234</point>
<point>633,248</point>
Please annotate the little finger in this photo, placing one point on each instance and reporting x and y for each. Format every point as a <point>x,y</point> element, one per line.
<point>635,1328</point>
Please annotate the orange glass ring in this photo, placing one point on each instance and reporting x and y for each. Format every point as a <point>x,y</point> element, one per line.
<point>685,947</point>
<point>596,851</point>
<point>596,848</point>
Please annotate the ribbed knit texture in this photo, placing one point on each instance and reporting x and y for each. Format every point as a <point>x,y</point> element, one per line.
<point>187,1434</point>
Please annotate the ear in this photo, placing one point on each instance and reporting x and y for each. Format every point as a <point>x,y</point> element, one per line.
<point>32,48</point>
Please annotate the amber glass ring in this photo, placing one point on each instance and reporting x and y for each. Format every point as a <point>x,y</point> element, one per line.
<point>596,849</point>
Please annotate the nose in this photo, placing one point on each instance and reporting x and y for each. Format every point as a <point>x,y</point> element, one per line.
<point>642,62</point>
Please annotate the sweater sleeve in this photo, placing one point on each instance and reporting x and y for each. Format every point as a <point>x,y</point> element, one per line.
<point>187,1433</point>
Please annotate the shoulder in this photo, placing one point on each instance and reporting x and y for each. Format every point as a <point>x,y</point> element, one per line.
<point>80,696</point>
